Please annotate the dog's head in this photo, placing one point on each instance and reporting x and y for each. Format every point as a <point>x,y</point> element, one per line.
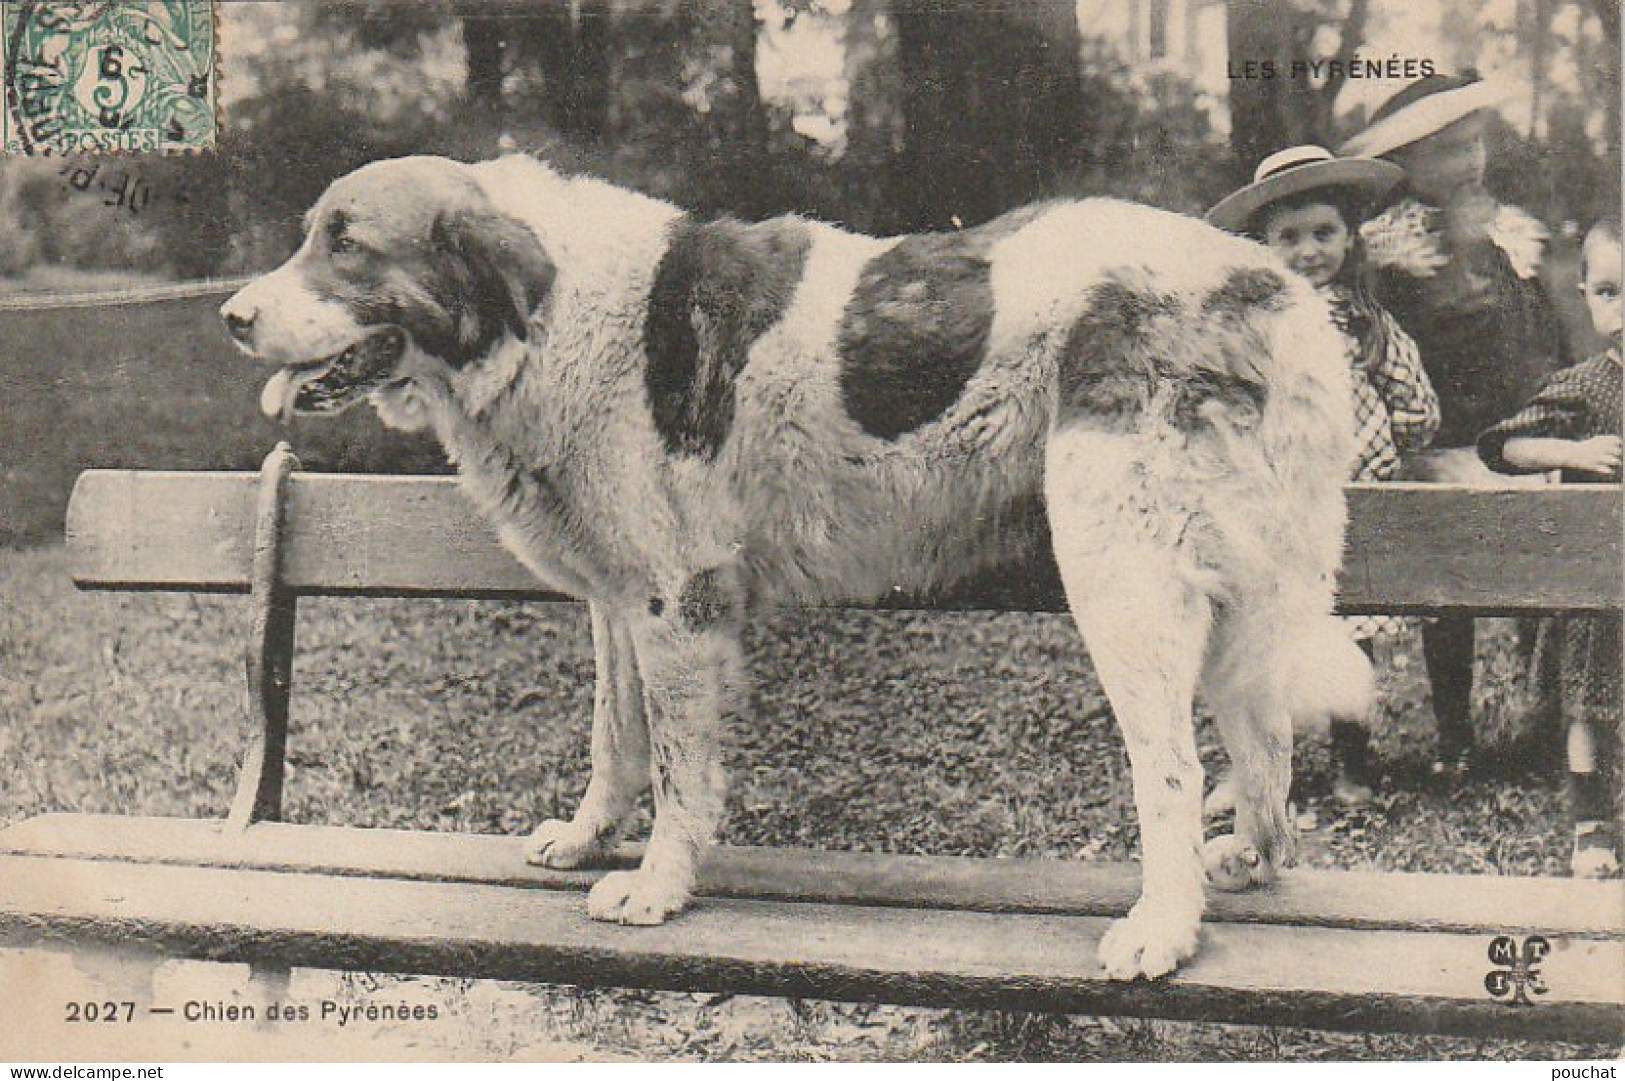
<point>407,271</point>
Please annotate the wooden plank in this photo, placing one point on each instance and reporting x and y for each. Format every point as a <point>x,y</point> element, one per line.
<point>1411,547</point>
<point>348,535</point>
<point>1417,547</point>
<point>1364,980</point>
<point>1468,904</point>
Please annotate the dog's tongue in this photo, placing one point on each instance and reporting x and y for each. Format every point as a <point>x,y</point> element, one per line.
<point>274,397</point>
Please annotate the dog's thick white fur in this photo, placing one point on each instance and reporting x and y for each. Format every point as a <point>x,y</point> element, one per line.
<point>680,421</point>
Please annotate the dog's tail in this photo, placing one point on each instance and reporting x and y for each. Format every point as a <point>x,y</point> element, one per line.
<point>1327,676</point>
<point>1284,515</point>
<point>1307,436</point>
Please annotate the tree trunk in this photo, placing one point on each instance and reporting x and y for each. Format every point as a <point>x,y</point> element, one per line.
<point>732,29</point>
<point>568,46</point>
<point>874,119</point>
<point>1540,41</point>
<point>990,106</point>
<point>1608,12</point>
<point>483,43</point>
<point>1273,106</point>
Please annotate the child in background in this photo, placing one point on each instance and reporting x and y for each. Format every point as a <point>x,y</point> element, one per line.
<point>1573,424</point>
<point>1462,272</point>
<point>1307,205</point>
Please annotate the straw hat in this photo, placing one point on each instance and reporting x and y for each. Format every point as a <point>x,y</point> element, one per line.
<point>1423,108</point>
<point>1298,169</point>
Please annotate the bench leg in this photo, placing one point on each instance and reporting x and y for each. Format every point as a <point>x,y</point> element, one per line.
<point>270,654</point>
<point>270,679</point>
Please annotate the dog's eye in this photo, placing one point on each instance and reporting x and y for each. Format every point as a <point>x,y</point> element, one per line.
<point>339,240</point>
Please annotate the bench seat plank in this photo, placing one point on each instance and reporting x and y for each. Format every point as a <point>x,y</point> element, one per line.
<point>1410,547</point>
<point>1482,904</point>
<point>1317,977</point>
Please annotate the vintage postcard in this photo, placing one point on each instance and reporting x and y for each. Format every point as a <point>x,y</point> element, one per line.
<point>811,530</point>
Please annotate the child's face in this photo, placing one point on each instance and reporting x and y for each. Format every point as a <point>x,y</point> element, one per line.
<point>1601,285</point>
<point>1313,240</point>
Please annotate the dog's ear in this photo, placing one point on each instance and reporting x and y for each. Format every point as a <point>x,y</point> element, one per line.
<point>502,264</point>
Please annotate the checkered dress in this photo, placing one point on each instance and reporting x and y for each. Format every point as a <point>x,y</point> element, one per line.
<point>1576,403</point>
<point>1395,408</point>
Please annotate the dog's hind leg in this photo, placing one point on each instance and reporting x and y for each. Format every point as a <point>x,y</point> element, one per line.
<point>620,755</point>
<point>1245,689</point>
<point>692,663</point>
<point>1145,624</point>
<point>1279,663</point>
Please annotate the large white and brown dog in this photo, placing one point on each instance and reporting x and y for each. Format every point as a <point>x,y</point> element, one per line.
<point>681,420</point>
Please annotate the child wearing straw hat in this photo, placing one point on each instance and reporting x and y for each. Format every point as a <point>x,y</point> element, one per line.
<point>1307,205</point>
<point>1461,272</point>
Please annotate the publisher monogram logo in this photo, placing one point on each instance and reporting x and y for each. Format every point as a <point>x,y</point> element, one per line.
<point>1518,973</point>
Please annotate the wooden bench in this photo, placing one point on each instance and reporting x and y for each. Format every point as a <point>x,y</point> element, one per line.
<point>1335,950</point>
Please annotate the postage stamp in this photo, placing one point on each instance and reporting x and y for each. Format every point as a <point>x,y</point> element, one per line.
<point>108,76</point>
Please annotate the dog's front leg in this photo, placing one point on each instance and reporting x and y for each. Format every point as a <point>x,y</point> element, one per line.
<point>691,662</point>
<point>620,754</point>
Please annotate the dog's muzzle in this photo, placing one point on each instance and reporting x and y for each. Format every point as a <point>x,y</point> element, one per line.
<point>337,381</point>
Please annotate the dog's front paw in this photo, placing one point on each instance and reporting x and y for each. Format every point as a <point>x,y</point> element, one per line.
<point>636,897</point>
<point>563,845</point>
<point>1232,864</point>
<point>1148,942</point>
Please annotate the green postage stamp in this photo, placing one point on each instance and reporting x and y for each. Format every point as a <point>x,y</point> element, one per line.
<point>108,76</point>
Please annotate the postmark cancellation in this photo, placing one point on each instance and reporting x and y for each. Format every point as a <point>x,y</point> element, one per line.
<point>109,76</point>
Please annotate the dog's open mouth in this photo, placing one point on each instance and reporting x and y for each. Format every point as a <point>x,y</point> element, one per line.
<point>337,381</point>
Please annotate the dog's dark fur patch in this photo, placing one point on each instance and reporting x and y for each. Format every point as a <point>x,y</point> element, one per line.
<point>718,288</point>
<point>491,274</point>
<point>1246,289</point>
<point>483,277</point>
<point>1121,350</point>
<point>706,601</point>
<point>1106,369</point>
<point>916,328</point>
<point>915,331</point>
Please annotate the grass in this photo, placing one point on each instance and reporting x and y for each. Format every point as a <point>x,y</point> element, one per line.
<point>974,734</point>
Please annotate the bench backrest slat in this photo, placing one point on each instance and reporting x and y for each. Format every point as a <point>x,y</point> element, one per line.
<point>1424,547</point>
<point>1410,547</point>
<point>346,535</point>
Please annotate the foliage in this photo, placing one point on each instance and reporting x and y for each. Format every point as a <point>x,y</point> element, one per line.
<point>1562,178</point>
<point>1147,139</point>
<point>951,111</point>
<point>315,89</point>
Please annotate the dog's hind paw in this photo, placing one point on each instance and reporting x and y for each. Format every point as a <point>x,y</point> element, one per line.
<point>1222,800</point>
<point>635,897</point>
<point>1148,943</point>
<point>564,845</point>
<point>1232,864</point>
